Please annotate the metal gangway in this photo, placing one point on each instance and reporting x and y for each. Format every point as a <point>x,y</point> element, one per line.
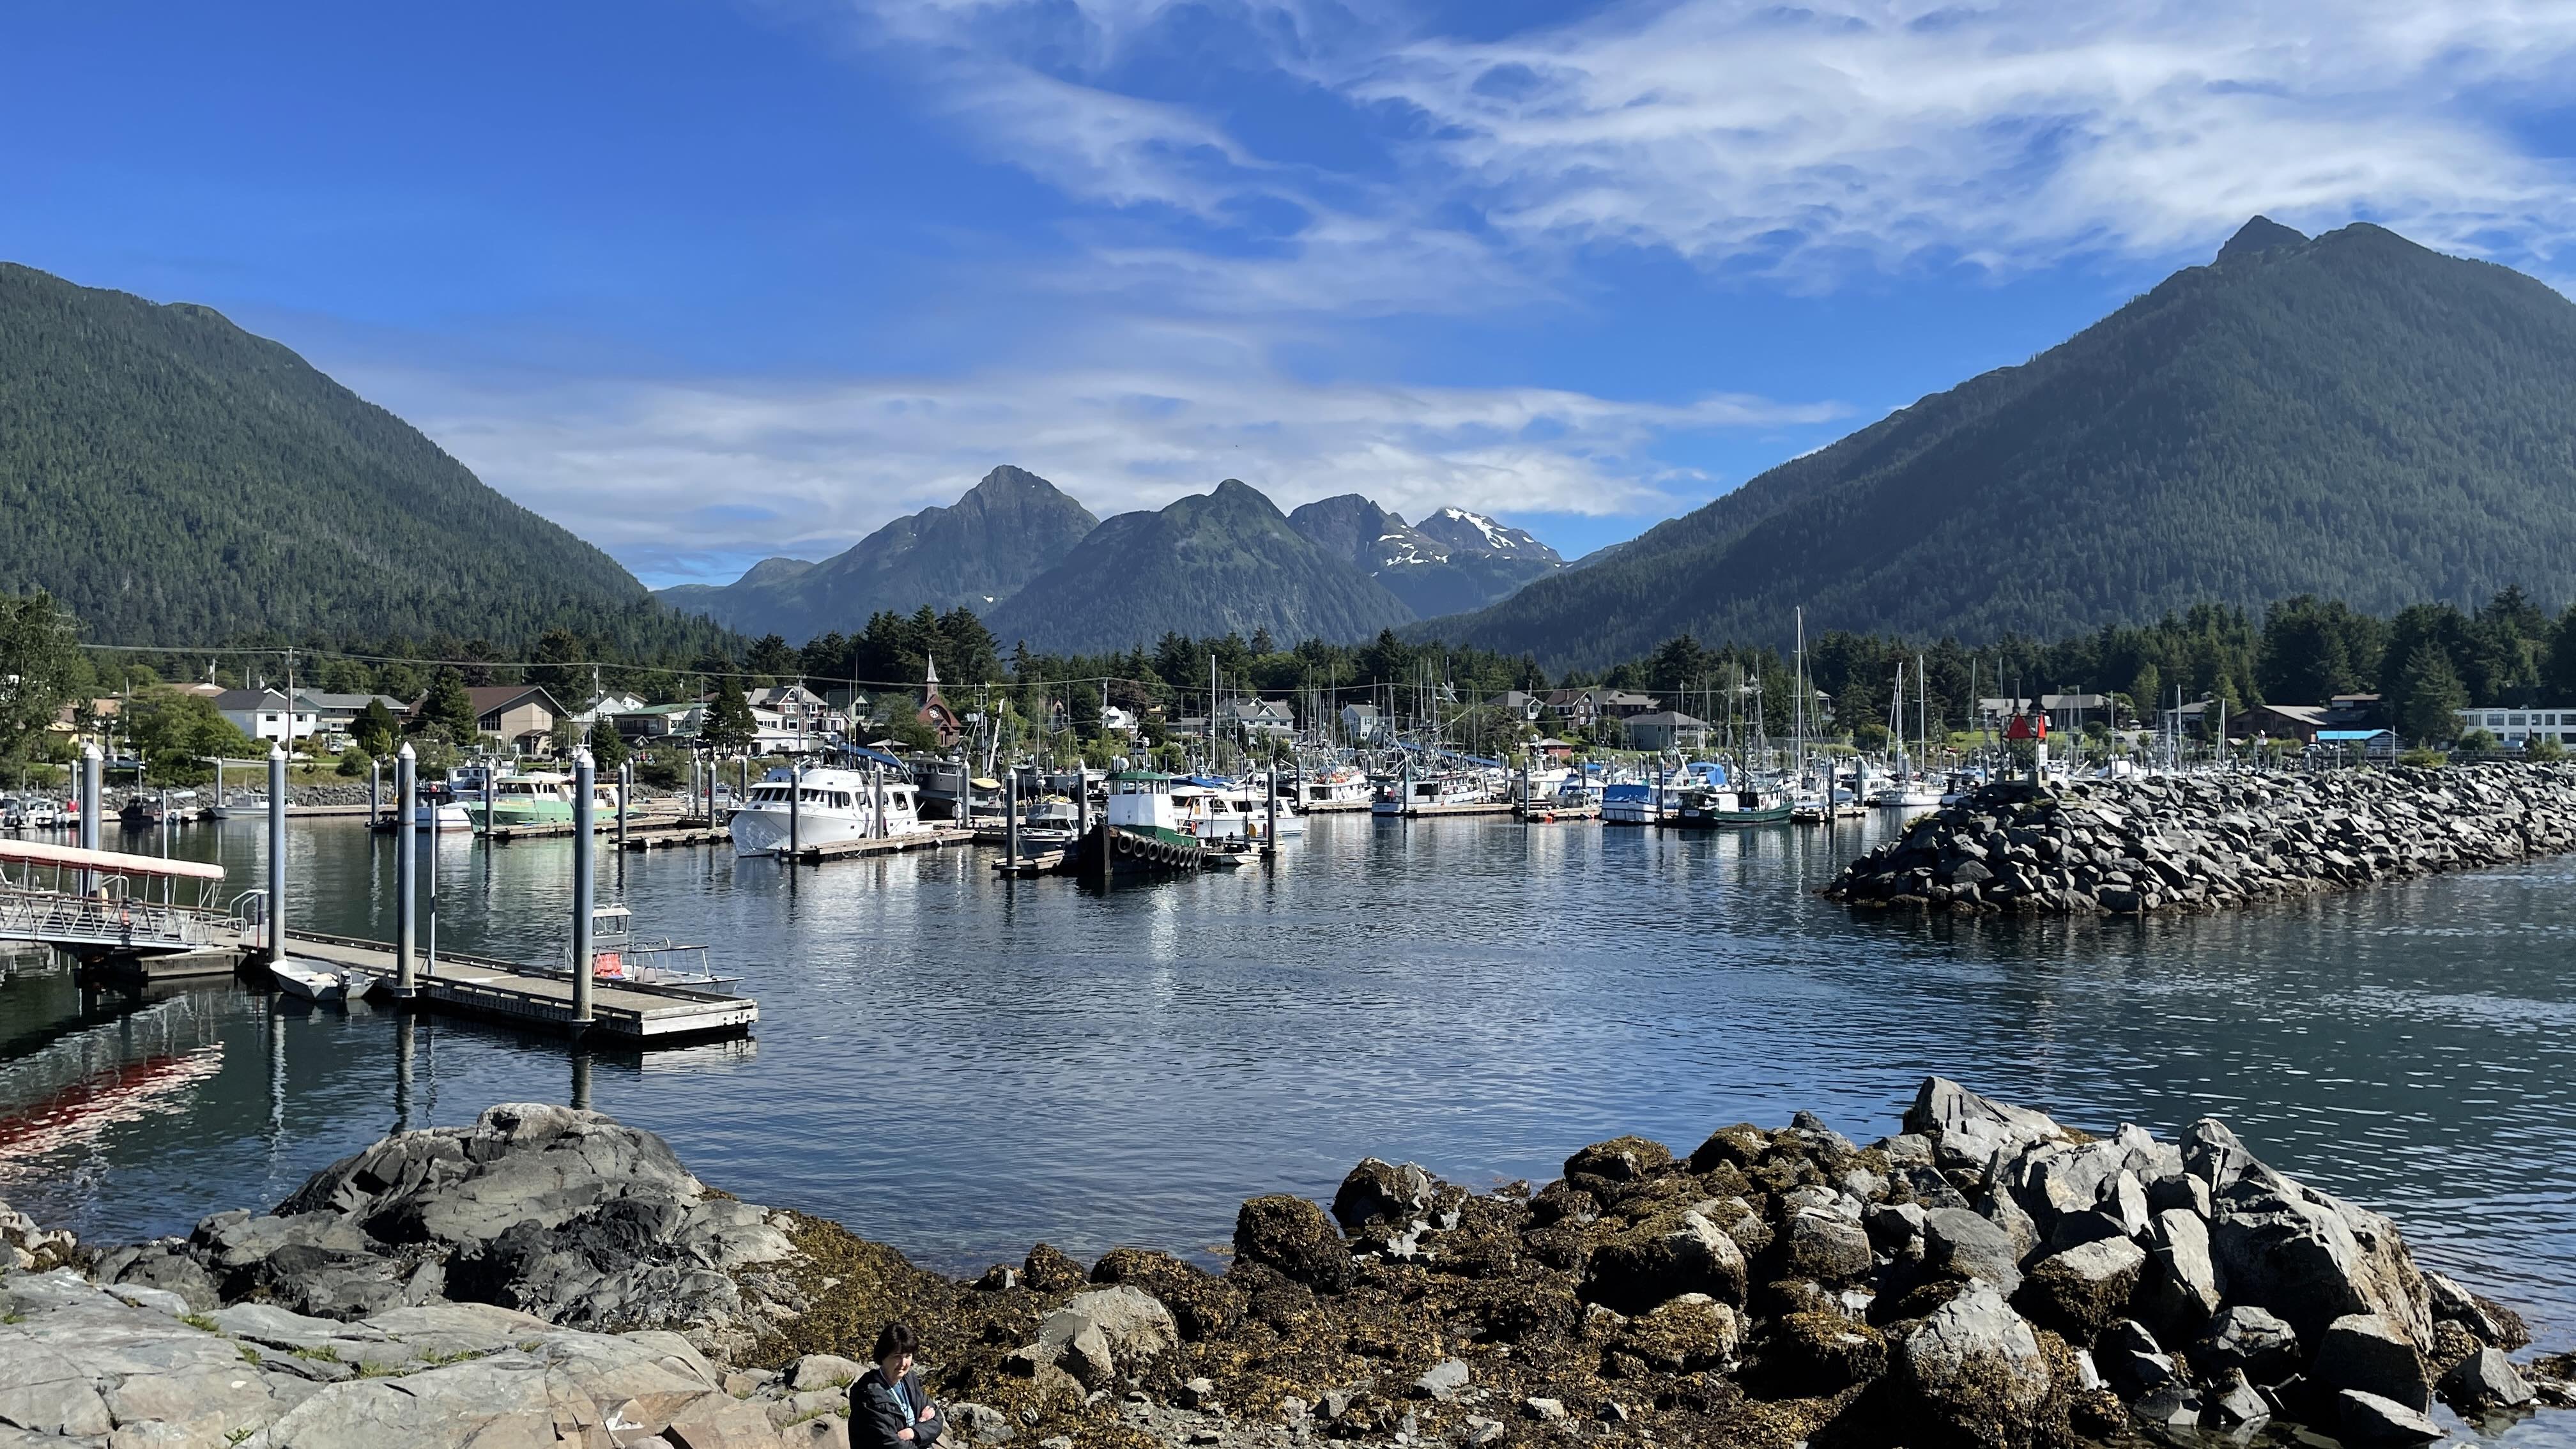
<point>105,902</point>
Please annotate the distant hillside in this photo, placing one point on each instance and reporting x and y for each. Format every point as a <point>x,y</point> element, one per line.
<point>2352,416</point>
<point>1453,561</point>
<point>1211,563</point>
<point>976,552</point>
<point>175,480</point>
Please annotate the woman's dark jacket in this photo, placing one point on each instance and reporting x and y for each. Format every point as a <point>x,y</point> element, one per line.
<point>875,1416</point>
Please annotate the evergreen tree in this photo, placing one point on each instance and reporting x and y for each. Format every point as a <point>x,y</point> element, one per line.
<point>41,668</point>
<point>2428,695</point>
<point>607,747</point>
<point>449,708</point>
<point>730,728</point>
<point>375,729</point>
<point>772,660</point>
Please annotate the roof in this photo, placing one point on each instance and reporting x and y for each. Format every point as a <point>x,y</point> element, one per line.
<point>2314,714</point>
<point>239,699</point>
<point>114,862</point>
<point>319,700</point>
<point>487,698</point>
<point>2342,737</point>
<point>1672,717</point>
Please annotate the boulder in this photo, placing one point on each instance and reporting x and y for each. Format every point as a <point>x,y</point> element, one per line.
<point>1619,1160</point>
<point>2084,1289</point>
<point>1290,1234</point>
<point>2181,1290</point>
<point>1815,1355</point>
<point>1379,1192</point>
<point>1963,1244</point>
<point>518,1161</point>
<point>1134,1323</point>
<point>1687,1335</point>
<point>2312,1259</point>
<point>2244,1337</point>
<point>1663,1258</point>
<point>1826,1246</point>
<point>2366,1421</point>
<point>1975,1366</point>
<point>809,1372</point>
<point>1442,1380</point>
<point>2485,1381</point>
<point>2130,1359</point>
<point>1971,1132</point>
<point>2359,1351</point>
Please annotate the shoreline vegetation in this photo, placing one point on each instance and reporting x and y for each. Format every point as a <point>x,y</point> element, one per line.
<point>2129,847</point>
<point>1986,1277</point>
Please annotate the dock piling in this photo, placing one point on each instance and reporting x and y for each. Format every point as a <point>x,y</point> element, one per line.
<point>584,773</point>
<point>90,792</point>
<point>1270,810</point>
<point>1011,818</point>
<point>795,811</point>
<point>375,790</point>
<point>625,801</point>
<point>276,912</point>
<point>406,866</point>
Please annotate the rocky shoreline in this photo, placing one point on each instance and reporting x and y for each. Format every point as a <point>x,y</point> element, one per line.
<point>2127,847</point>
<point>1987,1277</point>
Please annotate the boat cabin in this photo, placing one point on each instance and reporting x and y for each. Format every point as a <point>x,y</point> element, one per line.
<point>1142,800</point>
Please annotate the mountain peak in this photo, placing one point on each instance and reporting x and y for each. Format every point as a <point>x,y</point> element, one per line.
<point>2262,234</point>
<point>774,570</point>
<point>1474,532</point>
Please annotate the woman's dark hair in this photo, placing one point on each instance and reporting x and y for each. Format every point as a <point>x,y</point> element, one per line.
<point>894,1340</point>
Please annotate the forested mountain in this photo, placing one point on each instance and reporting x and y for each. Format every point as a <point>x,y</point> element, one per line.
<point>972,554</point>
<point>1214,562</point>
<point>175,480</point>
<point>1453,561</point>
<point>2352,416</point>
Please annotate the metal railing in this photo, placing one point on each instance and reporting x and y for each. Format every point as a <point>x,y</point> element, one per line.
<point>59,919</point>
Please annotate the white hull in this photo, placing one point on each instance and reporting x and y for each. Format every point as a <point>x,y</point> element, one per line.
<point>319,983</point>
<point>441,817</point>
<point>836,806</point>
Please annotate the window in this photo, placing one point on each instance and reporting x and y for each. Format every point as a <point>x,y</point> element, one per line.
<point>2518,720</point>
<point>840,799</point>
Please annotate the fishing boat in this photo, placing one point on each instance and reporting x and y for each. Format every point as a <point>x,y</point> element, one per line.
<point>619,957</point>
<point>1214,809</point>
<point>1706,808</point>
<point>315,981</point>
<point>1341,788</point>
<point>1413,794</point>
<point>441,815</point>
<point>522,801</point>
<point>824,807</point>
<point>1053,821</point>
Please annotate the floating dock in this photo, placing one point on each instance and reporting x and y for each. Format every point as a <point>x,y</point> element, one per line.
<point>696,832</point>
<point>1479,807</point>
<point>506,991</point>
<point>1543,814</point>
<point>1332,807</point>
<point>131,971</point>
<point>883,845</point>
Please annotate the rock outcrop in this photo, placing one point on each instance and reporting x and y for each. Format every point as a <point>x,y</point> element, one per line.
<point>2124,847</point>
<point>1988,1277</point>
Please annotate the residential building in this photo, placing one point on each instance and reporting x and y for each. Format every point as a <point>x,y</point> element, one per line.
<point>2518,727</point>
<point>262,713</point>
<point>806,720</point>
<point>2299,722</point>
<point>1271,718</point>
<point>336,715</point>
<point>1115,719</point>
<point>1520,704</point>
<point>1585,708</point>
<point>521,716</point>
<point>2066,712</point>
<point>1667,729</point>
<point>608,706</point>
<point>1363,724</point>
<point>1553,748</point>
<point>650,722</point>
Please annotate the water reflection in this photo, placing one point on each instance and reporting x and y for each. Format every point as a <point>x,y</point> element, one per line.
<point>964,1065</point>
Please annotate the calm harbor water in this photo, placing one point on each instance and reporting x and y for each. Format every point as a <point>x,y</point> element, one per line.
<point>962,1066</point>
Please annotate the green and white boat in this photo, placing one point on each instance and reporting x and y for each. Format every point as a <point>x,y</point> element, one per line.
<point>521,801</point>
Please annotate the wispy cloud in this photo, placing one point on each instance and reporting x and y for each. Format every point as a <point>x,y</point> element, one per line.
<point>1810,141</point>
<point>707,472</point>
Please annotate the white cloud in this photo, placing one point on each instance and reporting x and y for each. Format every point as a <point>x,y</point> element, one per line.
<point>1809,141</point>
<point>703,473</point>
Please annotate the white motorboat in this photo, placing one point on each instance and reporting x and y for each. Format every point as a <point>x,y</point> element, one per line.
<point>825,807</point>
<point>315,981</point>
<point>430,815</point>
<point>1415,793</point>
<point>1339,789</point>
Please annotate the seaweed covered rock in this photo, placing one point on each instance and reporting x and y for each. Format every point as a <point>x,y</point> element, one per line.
<point>1663,1258</point>
<point>1292,1235</point>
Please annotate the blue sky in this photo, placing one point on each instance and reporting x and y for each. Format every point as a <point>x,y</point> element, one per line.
<point>706,282</point>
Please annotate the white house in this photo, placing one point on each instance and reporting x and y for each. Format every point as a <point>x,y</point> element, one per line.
<point>262,714</point>
<point>1118,719</point>
<point>1362,724</point>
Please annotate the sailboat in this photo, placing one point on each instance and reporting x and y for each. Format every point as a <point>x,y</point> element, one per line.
<point>1910,789</point>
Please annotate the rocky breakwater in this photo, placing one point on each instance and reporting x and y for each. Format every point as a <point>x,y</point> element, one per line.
<point>2198,843</point>
<point>1988,1277</point>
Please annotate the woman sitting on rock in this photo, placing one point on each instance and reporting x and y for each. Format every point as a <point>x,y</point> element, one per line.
<point>888,1410</point>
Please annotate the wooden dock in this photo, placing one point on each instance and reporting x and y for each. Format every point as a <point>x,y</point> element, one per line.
<point>1544,814</point>
<point>1331,807</point>
<point>1480,807</point>
<point>884,845</point>
<point>661,836</point>
<point>131,971</point>
<point>505,991</point>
